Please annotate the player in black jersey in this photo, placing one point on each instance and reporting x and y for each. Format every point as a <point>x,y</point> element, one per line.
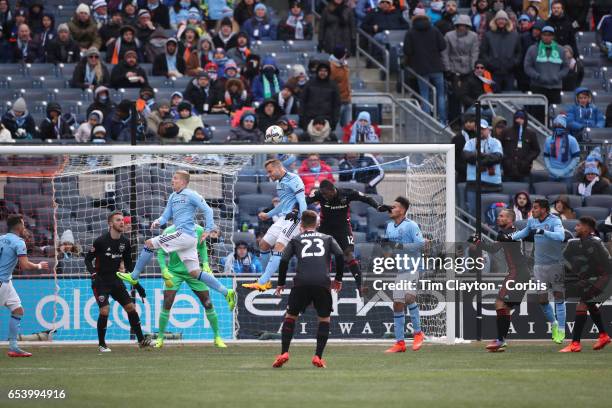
<point>108,251</point>
<point>336,219</point>
<point>311,284</point>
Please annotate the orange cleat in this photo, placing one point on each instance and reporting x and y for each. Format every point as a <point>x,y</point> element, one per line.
<point>280,360</point>
<point>319,362</point>
<point>574,347</point>
<point>418,341</point>
<point>602,341</point>
<point>398,347</point>
<point>18,353</point>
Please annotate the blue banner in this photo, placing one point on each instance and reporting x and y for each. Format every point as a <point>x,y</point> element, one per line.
<point>73,311</point>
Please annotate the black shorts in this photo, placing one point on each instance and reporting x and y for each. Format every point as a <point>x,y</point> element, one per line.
<point>342,235</point>
<point>513,297</point>
<point>302,296</point>
<point>115,288</point>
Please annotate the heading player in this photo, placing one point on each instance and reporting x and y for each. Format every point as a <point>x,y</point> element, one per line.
<point>290,191</point>
<point>108,251</point>
<point>13,251</point>
<point>182,206</point>
<point>314,251</point>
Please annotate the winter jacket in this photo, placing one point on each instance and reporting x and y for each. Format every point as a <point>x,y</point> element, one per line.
<point>320,98</point>
<point>501,50</point>
<point>188,126</point>
<point>78,76</point>
<point>459,141</point>
<point>545,74</point>
<point>264,121</point>
<point>517,161</point>
<point>119,79</point>
<point>341,74</point>
<point>423,46</point>
<point>85,34</point>
<point>565,33</point>
<point>461,52</point>
<point>313,180</point>
<point>260,29</point>
<point>57,131</point>
<point>286,32</point>
<point>160,65</point>
<point>199,97</point>
<point>446,24</point>
<point>62,52</point>
<point>580,117</point>
<point>240,134</point>
<point>33,54</point>
<point>312,135</point>
<point>337,27</point>
<point>392,19</point>
<point>9,121</point>
<point>161,16</point>
<point>257,86</point>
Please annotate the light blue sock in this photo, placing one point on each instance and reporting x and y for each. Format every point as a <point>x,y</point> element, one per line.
<point>143,259</point>
<point>212,283</point>
<point>264,257</point>
<point>271,267</point>
<point>548,312</point>
<point>413,309</point>
<point>560,312</point>
<point>399,323</point>
<point>14,324</point>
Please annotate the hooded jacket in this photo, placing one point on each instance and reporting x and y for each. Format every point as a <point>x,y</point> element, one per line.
<point>362,134</point>
<point>580,117</point>
<point>461,52</point>
<point>320,98</point>
<point>120,80</point>
<point>260,29</point>
<point>21,128</point>
<point>264,121</point>
<point>423,46</point>
<point>55,131</point>
<point>160,63</point>
<point>199,96</point>
<point>258,86</point>
<point>336,27</point>
<point>242,135</point>
<point>57,51</point>
<point>501,49</point>
<point>313,180</point>
<point>392,19</point>
<point>86,34</point>
<point>106,107</point>
<point>187,127</point>
<point>520,147</point>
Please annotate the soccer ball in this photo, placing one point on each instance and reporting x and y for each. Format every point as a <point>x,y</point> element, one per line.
<point>274,134</point>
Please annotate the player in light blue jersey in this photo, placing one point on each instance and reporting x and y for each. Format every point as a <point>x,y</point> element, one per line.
<point>548,266</point>
<point>407,233</point>
<point>12,252</point>
<point>290,191</point>
<point>182,207</point>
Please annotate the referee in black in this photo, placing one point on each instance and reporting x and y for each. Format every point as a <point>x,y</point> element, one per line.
<point>108,251</point>
<point>311,284</point>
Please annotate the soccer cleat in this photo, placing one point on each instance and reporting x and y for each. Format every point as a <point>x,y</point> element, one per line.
<point>258,286</point>
<point>218,342</point>
<point>127,277</point>
<point>319,362</point>
<point>145,343</point>
<point>602,341</point>
<point>159,343</point>
<point>418,341</point>
<point>17,352</point>
<point>398,347</point>
<point>555,332</point>
<point>573,347</point>
<point>104,349</point>
<point>560,336</point>
<point>280,360</point>
<point>497,346</point>
<point>167,277</point>
<point>231,298</point>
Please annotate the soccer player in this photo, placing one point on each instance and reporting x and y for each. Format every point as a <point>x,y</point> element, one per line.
<point>311,284</point>
<point>290,191</point>
<point>12,252</point>
<point>407,234</point>
<point>180,274</point>
<point>336,219</point>
<point>108,250</point>
<point>182,206</point>
<point>548,262</point>
<point>589,271</point>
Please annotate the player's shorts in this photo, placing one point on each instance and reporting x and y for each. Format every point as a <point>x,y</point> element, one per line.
<point>104,289</point>
<point>194,284</point>
<point>302,296</point>
<point>411,279</point>
<point>513,296</point>
<point>282,231</point>
<point>551,275</point>
<point>9,296</point>
<point>343,236</point>
<point>185,246</point>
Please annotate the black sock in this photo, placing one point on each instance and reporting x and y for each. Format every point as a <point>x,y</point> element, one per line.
<point>579,324</point>
<point>503,323</point>
<point>287,334</point>
<point>356,272</point>
<point>102,323</point>
<point>135,324</point>
<point>322,336</point>
<point>595,313</point>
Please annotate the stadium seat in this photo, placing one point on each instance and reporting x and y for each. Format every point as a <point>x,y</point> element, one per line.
<point>549,188</point>
<point>352,185</point>
<point>598,201</point>
<point>244,187</point>
<point>538,176</point>
<point>250,204</point>
<point>45,217</point>
<point>512,188</point>
<point>376,222</point>
<point>30,203</point>
<point>490,198</point>
<point>14,190</point>
<point>248,174</point>
<point>268,188</point>
<point>599,213</point>
<point>570,225</point>
<point>248,237</point>
<point>573,200</point>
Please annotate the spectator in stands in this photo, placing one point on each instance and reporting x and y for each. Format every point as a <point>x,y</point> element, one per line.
<point>247,131</point>
<point>268,113</point>
<point>459,140</point>
<point>313,171</point>
<point>562,209</point>
<point>83,133</point>
<point>179,13</point>
<point>583,113</point>
<point>521,148</point>
<point>593,159</point>
<point>565,33</point>
<point>498,126</point>
<point>436,8</point>
<point>202,135</point>
<point>219,59</point>
<point>524,24</point>
<point>489,166</point>
<point>575,75</point>
<point>19,122</point>
<point>320,98</point>
<point>103,103</point>
<point>286,101</point>
<point>527,40</point>
<point>241,52</point>
<point>363,8</point>
<point>128,74</point>
<point>318,131</point>
<point>226,36</point>
<point>55,126</point>
<point>62,49</point>
<point>362,168</point>
<point>216,94</point>
<point>187,122</point>
<point>296,25</point>
<point>100,12</point>
<point>458,59</point>
<point>288,129</point>
<point>21,17</point>
<point>168,132</point>
<point>447,22</point>
<point>337,26</point>
<point>341,74</point>
<point>194,20</point>
<point>130,12</point>
<point>127,41</point>
<point>25,50</point>
<point>478,83</point>
<point>46,32</point>
<point>244,10</point>
<point>159,114</point>
<point>5,135</point>
<point>297,80</point>
<point>236,96</point>
<point>260,26</point>
<point>160,14</point>
<point>6,16</point>
<point>592,184</point>
<point>268,83</point>
<point>501,51</point>
<point>385,17</point>
<point>84,29</point>
<point>170,64</point>
<point>362,130</point>
<point>35,14</point>
<point>110,31</point>
<point>198,92</point>
<point>144,26</point>
<point>480,21</point>
<point>242,260</point>
<point>6,51</point>
<point>604,34</point>
<point>120,129</point>
<point>68,248</point>
<point>561,153</point>
<point>423,46</point>
<point>521,205</point>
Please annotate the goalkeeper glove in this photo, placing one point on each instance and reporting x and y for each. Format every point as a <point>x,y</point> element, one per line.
<point>539,231</point>
<point>140,290</point>
<point>292,216</point>
<point>384,208</point>
<point>206,268</point>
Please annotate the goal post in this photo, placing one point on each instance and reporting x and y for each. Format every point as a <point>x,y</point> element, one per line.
<point>429,178</point>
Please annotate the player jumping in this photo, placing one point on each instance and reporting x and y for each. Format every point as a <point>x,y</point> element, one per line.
<point>182,206</point>
<point>290,191</point>
<point>109,250</point>
<point>179,272</point>
<point>310,285</point>
<point>336,219</point>
<point>12,252</point>
<point>407,233</point>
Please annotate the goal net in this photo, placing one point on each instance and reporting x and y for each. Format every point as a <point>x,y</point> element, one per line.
<point>67,198</point>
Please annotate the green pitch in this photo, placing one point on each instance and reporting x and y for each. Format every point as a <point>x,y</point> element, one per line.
<point>526,375</point>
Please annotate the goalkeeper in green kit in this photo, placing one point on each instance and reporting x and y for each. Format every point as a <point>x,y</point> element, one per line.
<point>172,263</point>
